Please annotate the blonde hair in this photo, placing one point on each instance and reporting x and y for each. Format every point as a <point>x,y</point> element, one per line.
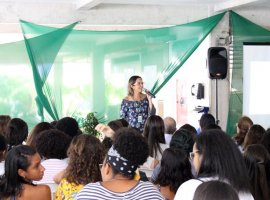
<point>131,82</point>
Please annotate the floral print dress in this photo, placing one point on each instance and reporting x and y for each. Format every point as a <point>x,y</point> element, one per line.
<point>135,112</point>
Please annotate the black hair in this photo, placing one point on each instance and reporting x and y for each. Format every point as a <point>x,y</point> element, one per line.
<point>205,120</point>
<point>52,144</point>
<point>212,190</point>
<point>68,125</point>
<point>182,139</point>
<point>3,147</point>
<point>221,158</point>
<point>175,169</point>
<point>16,132</point>
<point>266,140</point>
<point>11,184</point>
<point>154,131</point>
<point>131,145</point>
<point>191,129</point>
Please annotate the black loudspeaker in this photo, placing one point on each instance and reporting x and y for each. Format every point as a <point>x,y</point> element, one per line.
<point>217,62</point>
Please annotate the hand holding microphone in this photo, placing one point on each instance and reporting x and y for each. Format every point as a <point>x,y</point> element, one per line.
<point>149,93</point>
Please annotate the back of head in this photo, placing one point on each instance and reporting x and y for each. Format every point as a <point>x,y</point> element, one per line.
<point>257,152</point>
<point>52,144</point>
<point>191,129</point>
<point>42,126</point>
<point>243,125</point>
<point>4,119</point>
<point>182,139</point>
<point>266,140</point>
<point>206,120</point>
<point>116,124</point>
<point>68,125</point>
<point>132,146</point>
<point>254,135</point>
<point>16,132</point>
<point>170,125</point>
<point>221,158</point>
<point>154,133</point>
<point>85,154</point>
<point>17,158</point>
<point>213,190</point>
<point>175,169</point>
<point>3,147</point>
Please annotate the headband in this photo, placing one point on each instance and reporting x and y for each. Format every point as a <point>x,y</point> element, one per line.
<point>120,164</point>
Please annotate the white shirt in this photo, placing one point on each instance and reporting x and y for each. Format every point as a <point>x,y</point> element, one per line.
<point>187,189</point>
<point>2,167</point>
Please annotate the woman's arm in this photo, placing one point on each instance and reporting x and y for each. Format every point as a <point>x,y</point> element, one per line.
<point>124,110</point>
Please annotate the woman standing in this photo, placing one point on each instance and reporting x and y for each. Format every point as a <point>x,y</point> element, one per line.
<point>136,107</point>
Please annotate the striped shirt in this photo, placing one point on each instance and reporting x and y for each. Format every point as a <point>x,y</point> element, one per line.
<point>142,191</point>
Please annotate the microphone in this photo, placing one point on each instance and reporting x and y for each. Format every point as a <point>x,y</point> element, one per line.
<point>149,93</point>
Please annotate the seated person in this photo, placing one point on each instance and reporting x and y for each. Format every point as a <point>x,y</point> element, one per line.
<point>22,167</point>
<point>118,170</point>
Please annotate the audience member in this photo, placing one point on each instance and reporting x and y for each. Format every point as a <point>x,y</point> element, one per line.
<point>206,120</point>
<point>191,129</point>
<point>175,169</point>
<point>254,135</point>
<point>85,153</point>
<point>16,132</point>
<point>216,157</point>
<point>118,170</point>
<point>4,119</point>
<point>182,139</point>
<point>242,127</point>
<point>266,140</point>
<point>257,161</point>
<point>170,128</point>
<point>69,126</point>
<point>42,126</point>
<point>3,151</point>
<point>52,145</point>
<point>154,131</point>
<point>22,167</point>
<point>215,190</point>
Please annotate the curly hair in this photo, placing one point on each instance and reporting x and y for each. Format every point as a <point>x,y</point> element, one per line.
<point>85,154</point>
<point>42,126</point>
<point>68,125</point>
<point>131,145</point>
<point>175,169</point>
<point>52,144</point>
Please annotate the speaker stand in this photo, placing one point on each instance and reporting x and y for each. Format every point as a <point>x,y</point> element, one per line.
<point>217,120</point>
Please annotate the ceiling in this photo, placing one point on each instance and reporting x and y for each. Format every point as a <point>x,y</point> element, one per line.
<point>114,12</point>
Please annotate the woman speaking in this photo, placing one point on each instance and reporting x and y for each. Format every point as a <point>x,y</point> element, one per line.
<point>136,106</point>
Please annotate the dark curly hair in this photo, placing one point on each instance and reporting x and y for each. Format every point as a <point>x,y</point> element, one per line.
<point>68,125</point>
<point>42,126</point>
<point>52,144</point>
<point>85,154</point>
<point>175,169</point>
<point>131,145</point>
<point>16,131</point>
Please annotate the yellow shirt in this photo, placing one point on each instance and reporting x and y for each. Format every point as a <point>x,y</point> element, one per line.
<point>66,190</point>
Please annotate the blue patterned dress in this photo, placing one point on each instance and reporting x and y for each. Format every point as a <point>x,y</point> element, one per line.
<point>135,112</point>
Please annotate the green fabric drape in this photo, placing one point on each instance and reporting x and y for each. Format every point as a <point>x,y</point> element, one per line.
<point>77,72</point>
<point>243,30</point>
<point>42,51</point>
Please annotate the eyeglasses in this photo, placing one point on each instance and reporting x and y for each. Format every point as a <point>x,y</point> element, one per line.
<point>192,154</point>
